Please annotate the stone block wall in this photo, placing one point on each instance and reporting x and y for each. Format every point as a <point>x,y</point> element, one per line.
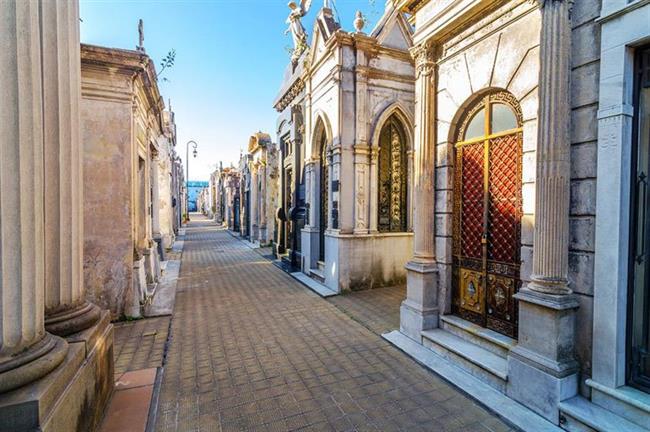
<point>584,131</point>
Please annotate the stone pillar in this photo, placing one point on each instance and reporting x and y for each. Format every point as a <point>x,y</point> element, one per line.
<point>362,188</point>
<point>420,309</point>
<point>544,358</point>
<point>254,211</point>
<point>66,310</point>
<point>263,202</point>
<point>374,184</point>
<point>27,351</point>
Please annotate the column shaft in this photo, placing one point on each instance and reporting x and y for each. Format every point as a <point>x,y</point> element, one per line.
<point>27,352</point>
<point>420,309</point>
<point>65,306</point>
<point>551,242</point>
<point>424,164</point>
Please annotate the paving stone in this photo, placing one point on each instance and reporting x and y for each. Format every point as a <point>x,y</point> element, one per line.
<point>252,349</point>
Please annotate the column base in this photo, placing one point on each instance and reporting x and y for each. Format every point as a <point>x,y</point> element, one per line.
<point>33,363</point>
<point>71,397</point>
<point>542,370</point>
<point>73,320</point>
<point>420,309</point>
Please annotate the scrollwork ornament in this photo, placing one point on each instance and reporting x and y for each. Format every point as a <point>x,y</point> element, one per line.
<point>542,3</point>
<point>424,55</point>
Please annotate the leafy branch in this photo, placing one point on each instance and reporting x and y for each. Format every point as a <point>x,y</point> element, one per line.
<point>167,63</point>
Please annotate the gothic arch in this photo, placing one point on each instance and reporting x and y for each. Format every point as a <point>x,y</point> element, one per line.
<point>321,127</point>
<point>398,109</point>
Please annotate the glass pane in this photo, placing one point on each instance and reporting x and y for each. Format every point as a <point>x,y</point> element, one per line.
<point>641,280</point>
<point>503,118</point>
<point>476,127</point>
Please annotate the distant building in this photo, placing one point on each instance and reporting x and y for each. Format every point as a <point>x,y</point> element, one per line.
<point>194,188</point>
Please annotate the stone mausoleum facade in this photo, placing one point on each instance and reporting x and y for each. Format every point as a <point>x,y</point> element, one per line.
<point>348,154</point>
<point>529,266</point>
<point>127,167</point>
<point>259,190</point>
<point>56,348</point>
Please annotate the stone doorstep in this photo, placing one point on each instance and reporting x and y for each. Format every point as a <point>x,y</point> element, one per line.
<point>492,341</point>
<point>313,285</point>
<point>128,410</point>
<point>578,412</point>
<point>317,274</point>
<point>626,402</point>
<point>484,394</point>
<point>58,398</point>
<point>478,361</point>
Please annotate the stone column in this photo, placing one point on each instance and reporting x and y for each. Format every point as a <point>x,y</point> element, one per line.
<point>254,211</point>
<point>544,358</point>
<point>27,351</point>
<point>66,310</point>
<point>263,202</point>
<point>374,184</point>
<point>362,188</point>
<point>420,309</point>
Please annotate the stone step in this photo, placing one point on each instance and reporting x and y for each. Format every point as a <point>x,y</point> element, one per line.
<point>489,339</point>
<point>476,360</point>
<point>317,274</point>
<point>578,414</point>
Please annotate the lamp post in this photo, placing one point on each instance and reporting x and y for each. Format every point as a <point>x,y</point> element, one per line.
<point>187,172</point>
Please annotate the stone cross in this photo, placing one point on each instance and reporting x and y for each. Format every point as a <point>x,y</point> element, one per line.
<point>140,46</point>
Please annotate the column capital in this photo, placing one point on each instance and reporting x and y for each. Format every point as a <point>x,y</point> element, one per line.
<point>425,55</point>
<point>543,3</point>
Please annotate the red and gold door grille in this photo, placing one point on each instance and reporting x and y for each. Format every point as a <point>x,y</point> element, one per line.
<point>487,215</point>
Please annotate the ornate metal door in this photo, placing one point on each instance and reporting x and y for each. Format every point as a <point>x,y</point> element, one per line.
<point>487,214</point>
<point>392,190</point>
<point>324,196</point>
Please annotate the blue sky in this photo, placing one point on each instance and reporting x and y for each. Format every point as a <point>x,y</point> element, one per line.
<point>230,59</point>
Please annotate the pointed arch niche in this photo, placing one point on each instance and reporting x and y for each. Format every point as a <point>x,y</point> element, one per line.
<point>391,168</point>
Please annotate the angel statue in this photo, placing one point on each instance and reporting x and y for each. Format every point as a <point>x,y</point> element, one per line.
<point>296,28</point>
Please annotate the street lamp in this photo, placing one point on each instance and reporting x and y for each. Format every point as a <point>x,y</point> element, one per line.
<point>187,171</point>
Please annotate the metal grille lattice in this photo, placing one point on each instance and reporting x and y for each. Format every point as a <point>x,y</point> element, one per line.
<point>472,200</point>
<point>505,199</point>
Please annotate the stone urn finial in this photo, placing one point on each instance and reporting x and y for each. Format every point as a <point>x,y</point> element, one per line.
<point>359,22</point>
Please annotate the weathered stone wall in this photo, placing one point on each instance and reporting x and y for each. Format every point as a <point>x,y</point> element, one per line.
<point>108,230</point>
<point>585,78</point>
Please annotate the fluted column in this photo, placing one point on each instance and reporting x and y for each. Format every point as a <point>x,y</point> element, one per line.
<point>544,357</point>
<point>27,351</point>
<point>66,310</point>
<point>424,164</point>
<point>420,309</point>
<point>551,250</point>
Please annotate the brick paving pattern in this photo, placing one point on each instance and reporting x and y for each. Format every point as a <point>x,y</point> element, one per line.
<point>254,350</point>
<point>376,309</point>
<point>139,344</point>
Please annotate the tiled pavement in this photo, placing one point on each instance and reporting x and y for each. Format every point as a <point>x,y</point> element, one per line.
<point>139,344</point>
<point>376,309</point>
<point>254,350</point>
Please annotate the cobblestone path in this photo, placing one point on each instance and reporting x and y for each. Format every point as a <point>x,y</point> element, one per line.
<point>253,350</point>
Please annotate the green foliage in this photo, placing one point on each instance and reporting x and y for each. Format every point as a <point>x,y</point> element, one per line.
<point>167,63</point>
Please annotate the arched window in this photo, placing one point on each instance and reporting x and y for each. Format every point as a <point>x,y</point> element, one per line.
<point>393,166</point>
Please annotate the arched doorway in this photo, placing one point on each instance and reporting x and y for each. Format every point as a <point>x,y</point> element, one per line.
<point>324,194</point>
<point>393,172</point>
<point>487,213</point>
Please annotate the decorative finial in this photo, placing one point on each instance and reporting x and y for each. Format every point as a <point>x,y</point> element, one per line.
<point>140,46</point>
<point>359,22</point>
<point>326,4</point>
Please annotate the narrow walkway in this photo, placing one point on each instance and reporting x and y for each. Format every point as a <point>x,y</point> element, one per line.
<point>253,350</point>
